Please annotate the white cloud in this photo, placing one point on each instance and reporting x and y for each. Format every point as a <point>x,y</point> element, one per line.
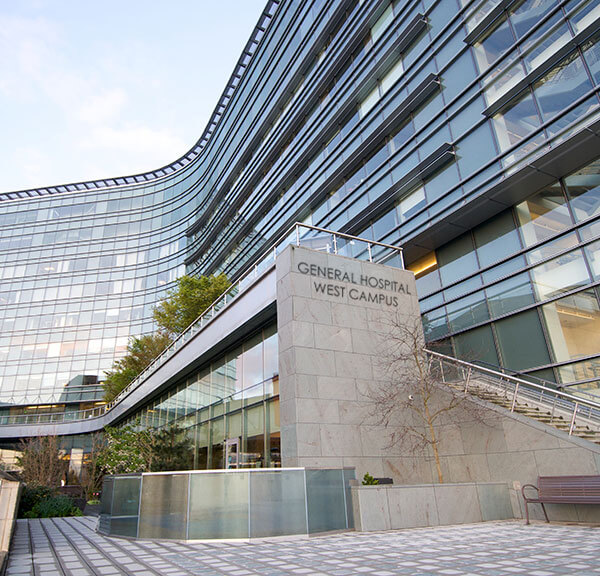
<point>32,163</point>
<point>102,108</point>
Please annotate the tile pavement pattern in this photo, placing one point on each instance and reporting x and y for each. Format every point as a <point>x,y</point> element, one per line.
<point>72,547</point>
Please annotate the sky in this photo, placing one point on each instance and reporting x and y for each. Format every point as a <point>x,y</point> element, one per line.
<point>92,89</point>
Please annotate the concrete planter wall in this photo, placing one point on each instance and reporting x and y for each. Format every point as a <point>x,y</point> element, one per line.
<point>390,507</point>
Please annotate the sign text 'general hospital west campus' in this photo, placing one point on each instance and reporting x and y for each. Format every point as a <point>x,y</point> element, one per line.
<point>363,285</point>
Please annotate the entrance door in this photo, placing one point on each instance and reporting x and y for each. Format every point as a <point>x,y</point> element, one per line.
<point>232,453</point>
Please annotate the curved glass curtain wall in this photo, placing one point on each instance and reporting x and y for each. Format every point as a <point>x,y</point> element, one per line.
<point>80,272</point>
<point>228,504</point>
<point>538,64</point>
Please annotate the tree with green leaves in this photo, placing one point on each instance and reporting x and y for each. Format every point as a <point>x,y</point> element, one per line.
<point>192,296</point>
<point>125,450</point>
<point>140,352</point>
<point>171,450</point>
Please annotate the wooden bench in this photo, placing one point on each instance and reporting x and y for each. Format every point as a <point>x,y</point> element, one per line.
<point>563,490</point>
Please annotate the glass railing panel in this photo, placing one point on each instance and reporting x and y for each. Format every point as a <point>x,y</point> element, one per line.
<point>325,500</point>
<point>218,505</point>
<point>125,506</point>
<point>320,242</point>
<point>277,503</point>
<point>349,474</point>
<point>163,510</point>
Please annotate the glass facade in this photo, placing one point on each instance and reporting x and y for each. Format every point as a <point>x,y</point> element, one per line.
<point>415,123</point>
<point>233,401</point>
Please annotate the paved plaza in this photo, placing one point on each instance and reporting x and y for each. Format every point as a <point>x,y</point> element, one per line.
<point>71,546</point>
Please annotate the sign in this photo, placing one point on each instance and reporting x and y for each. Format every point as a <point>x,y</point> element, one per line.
<point>363,287</point>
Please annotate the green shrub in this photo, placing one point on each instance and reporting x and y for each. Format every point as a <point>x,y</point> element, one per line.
<point>54,506</point>
<point>368,480</point>
<point>32,495</point>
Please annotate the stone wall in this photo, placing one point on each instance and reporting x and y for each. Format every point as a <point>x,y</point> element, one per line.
<point>392,507</point>
<point>332,343</point>
<point>329,319</point>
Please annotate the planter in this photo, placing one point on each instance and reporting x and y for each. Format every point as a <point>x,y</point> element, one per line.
<point>390,507</point>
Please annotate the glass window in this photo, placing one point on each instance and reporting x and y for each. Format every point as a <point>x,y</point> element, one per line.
<point>392,76</point>
<point>528,13</point>
<point>583,189</point>
<point>382,24</point>
<point>588,12</point>
<point>384,225</point>
<point>560,275</point>
<point>573,326</point>
<point>475,150</point>
<point>496,239</point>
<point>584,370</point>
<point>516,121</point>
<point>467,311</point>
<point>457,259</point>
<point>510,295</point>
<point>562,86</point>
<point>521,341</point>
<point>543,215</point>
<point>551,248</point>
<point>592,252</point>
<point>493,45</point>
<point>591,53</point>
<point>252,363</point>
<point>411,204</point>
<point>271,360</point>
<point>370,101</point>
<point>477,346</point>
<point>435,325</point>
<point>399,139</point>
<point>426,273</point>
<point>441,182</point>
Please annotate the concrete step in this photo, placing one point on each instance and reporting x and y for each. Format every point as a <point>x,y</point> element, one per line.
<point>535,412</point>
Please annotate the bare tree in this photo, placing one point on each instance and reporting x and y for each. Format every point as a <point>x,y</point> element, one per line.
<point>92,473</point>
<point>410,400</point>
<point>42,461</point>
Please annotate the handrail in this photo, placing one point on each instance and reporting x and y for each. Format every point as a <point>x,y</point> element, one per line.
<point>264,263</point>
<point>554,399</point>
<point>520,381</point>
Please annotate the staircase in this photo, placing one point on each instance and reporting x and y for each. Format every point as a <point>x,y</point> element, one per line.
<point>572,414</point>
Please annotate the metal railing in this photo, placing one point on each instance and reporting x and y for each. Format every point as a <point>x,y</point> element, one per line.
<point>575,410</point>
<point>300,234</point>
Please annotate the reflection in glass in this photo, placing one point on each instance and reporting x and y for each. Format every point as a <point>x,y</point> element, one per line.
<point>516,121</point>
<point>510,295</point>
<point>573,326</point>
<point>559,275</point>
<point>163,509</point>
<point>467,311</point>
<point>426,273</point>
<point>551,248</point>
<point>218,505</point>
<point>477,346</point>
<point>583,188</point>
<point>562,86</point>
<point>496,239</point>
<point>457,259</point>
<point>325,500</point>
<point>543,215</point>
<point>521,341</point>
<point>277,503</point>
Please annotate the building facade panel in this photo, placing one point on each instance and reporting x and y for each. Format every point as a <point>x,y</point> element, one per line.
<point>468,132</point>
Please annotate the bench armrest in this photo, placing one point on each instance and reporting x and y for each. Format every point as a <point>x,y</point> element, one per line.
<point>528,486</point>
